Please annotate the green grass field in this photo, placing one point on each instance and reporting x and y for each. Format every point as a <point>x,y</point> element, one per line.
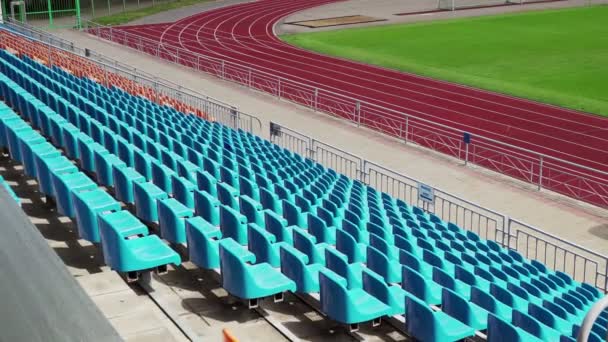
<point>557,56</point>
<point>128,16</point>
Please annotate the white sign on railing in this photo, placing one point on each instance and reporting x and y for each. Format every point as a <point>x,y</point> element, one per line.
<point>426,193</point>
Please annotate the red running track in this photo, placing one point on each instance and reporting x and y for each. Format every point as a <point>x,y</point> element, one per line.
<point>243,34</point>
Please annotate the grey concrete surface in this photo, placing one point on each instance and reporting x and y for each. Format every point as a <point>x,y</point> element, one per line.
<point>571,220</point>
<point>386,9</point>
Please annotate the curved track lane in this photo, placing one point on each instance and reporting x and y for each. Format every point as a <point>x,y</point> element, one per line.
<point>244,34</point>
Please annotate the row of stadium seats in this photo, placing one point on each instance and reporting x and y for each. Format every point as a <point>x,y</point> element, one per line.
<point>3,183</point>
<point>272,221</point>
<point>82,67</point>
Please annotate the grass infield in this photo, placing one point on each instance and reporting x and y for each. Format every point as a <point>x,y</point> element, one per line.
<point>553,56</point>
<point>128,16</point>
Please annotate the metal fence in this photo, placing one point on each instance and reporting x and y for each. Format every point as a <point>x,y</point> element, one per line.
<point>558,254</point>
<point>546,172</point>
<point>220,111</point>
<point>58,13</point>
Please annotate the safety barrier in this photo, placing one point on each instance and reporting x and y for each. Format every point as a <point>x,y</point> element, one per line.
<point>544,171</point>
<point>579,262</point>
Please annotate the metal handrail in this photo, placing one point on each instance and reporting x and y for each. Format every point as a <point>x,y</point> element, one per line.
<point>355,100</point>
<point>590,318</point>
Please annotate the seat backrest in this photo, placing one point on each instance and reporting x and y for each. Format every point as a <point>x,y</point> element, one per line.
<point>207,206</point>
<point>247,187</point>
<point>276,225</point>
<point>380,264</point>
<point>346,244</point>
<point>499,330</point>
<point>206,182</point>
<point>259,242</point>
<point>375,285</point>
<point>382,245</point>
<point>337,262</point>
<point>326,216</point>
<point>502,295</point>
<point>405,244</point>
<point>252,210</point>
<point>414,282</point>
<point>233,224</point>
<point>303,242</point>
<point>455,305</point>
<point>270,201</point>
<point>227,195</point>
<point>353,230</point>
<point>483,299</point>
<point>293,265</point>
<point>228,176</point>
<point>420,320</point>
<point>233,273</point>
<point>292,214</point>
<point>443,279</point>
<point>318,228</point>
<point>334,299</point>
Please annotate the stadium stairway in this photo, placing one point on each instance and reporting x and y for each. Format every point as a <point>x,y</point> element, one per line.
<point>270,220</point>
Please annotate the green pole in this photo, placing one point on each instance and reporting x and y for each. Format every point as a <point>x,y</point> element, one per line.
<point>78,19</point>
<point>50,10</point>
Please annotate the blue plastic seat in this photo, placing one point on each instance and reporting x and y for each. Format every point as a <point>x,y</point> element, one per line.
<point>293,215</point>
<point>123,183</point>
<point>233,225</point>
<point>228,195</point>
<point>500,330</point>
<point>306,243</point>
<point>338,263</point>
<point>248,281</point>
<point>346,243</point>
<point>203,243</point>
<point>318,228</point>
<point>161,176</point>
<point>183,190</point>
<point>45,166</point>
<point>104,164</point>
<point>427,325</point>
<point>64,185</point>
<point>348,306</point>
<point>172,217</point>
<point>463,310</point>
<point>207,206</point>
<point>295,265</point>
<point>393,296</point>
<point>270,201</point>
<point>127,245</point>
<point>415,263</point>
<point>88,206</point>
<point>389,269</point>
<point>421,287</point>
<point>264,245</point>
<point>488,303</point>
<point>534,327</point>
<point>145,196</point>
<point>252,210</point>
<point>447,281</point>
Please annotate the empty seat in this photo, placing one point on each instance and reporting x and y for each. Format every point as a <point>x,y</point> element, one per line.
<point>233,225</point>
<point>345,305</point>
<point>463,310</point>
<point>248,281</point>
<point>427,325</point>
<point>127,245</point>
<point>203,243</point>
<point>500,330</point>
<point>172,217</point>
<point>295,265</point>
<point>391,295</point>
<point>89,205</point>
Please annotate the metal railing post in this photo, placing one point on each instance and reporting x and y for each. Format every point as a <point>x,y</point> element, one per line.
<point>316,100</point>
<point>466,154</point>
<point>358,109</point>
<point>540,173</point>
<point>407,128</point>
<point>222,70</point>
<point>279,88</point>
<point>250,79</point>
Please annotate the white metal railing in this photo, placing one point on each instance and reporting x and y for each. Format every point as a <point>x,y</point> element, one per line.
<point>544,171</point>
<point>533,243</point>
<point>590,318</point>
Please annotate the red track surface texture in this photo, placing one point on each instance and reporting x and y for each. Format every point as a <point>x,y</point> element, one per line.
<point>244,34</point>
